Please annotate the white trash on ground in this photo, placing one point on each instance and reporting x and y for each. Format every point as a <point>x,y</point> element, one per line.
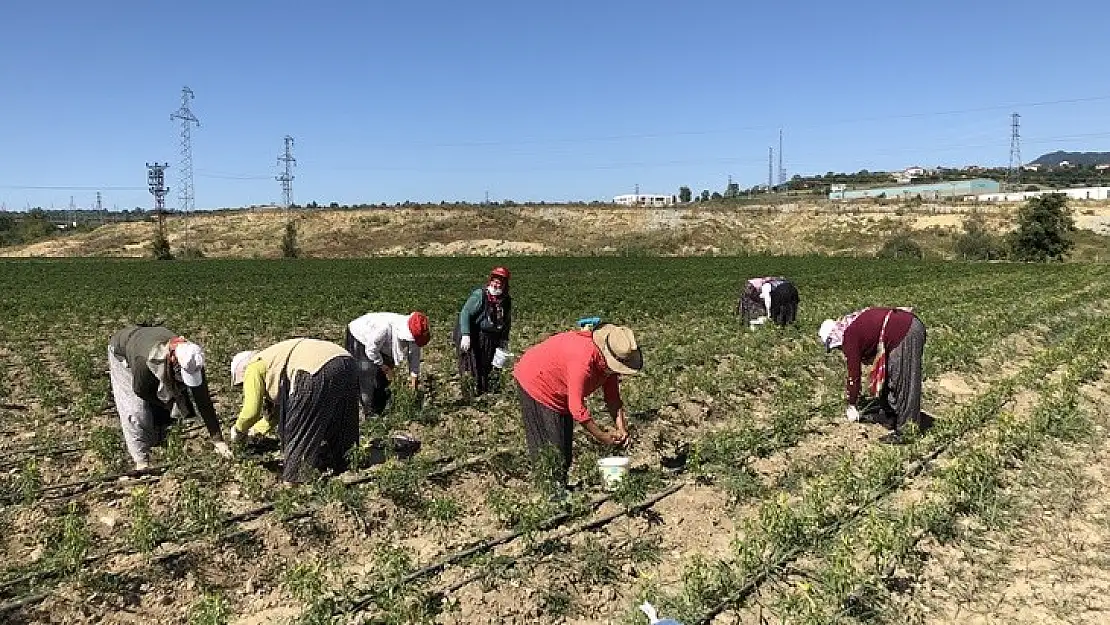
<point>653,616</point>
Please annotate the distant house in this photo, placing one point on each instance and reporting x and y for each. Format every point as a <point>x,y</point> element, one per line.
<point>909,173</point>
<point>1032,167</point>
<point>636,199</point>
<point>1102,167</point>
<point>1064,164</point>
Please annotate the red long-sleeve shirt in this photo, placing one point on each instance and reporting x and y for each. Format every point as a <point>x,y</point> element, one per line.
<point>565,369</point>
<point>861,342</point>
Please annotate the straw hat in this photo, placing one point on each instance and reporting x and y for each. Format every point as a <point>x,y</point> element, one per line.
<point>618,346</point>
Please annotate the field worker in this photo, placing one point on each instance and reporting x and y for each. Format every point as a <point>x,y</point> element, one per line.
<point>380,342</point>
<point>555,377</point>
<point>483,328</point>
<point>765,298</point>
<point>310,390</point>
<point>892,340</point>
<point>153,371</point>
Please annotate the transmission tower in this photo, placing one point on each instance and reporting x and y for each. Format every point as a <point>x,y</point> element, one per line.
<point>156,182</point>
<point>1013,176</point>
<point>99,208</point>
<point>186,166</point>
<point>286,177</point>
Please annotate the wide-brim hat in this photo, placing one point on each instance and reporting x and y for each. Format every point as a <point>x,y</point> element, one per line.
<point>618,346</point>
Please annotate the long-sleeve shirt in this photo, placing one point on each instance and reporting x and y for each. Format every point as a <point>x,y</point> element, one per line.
<point>387,339</point>
<point>861,342</point>
<point>471,316</point>
<point>565,369</point>
<point>262,376</point>
<point>136,345</point>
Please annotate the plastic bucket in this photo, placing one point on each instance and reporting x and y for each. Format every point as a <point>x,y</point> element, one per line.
<point>613,470</point>
<point>501,358</point>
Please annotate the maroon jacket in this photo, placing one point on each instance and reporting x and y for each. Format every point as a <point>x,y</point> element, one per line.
<point>861,341</point>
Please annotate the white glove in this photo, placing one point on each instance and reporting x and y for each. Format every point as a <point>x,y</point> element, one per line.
<point>464,343</point>
<point>223,450</point>
<point>852,414</point>
<point>237,436</point>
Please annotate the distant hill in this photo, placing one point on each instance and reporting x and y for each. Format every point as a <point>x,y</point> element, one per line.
<point>1075,158</point>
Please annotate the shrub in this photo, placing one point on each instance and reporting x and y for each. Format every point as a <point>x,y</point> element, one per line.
<point>1044,230</point>
<point>160,246</point>
<point>901,245</point>
<point>289,247</point>
<point>977,242</point>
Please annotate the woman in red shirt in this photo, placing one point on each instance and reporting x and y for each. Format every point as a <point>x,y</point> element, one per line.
<point>898,379</point>
<point>555,377</point>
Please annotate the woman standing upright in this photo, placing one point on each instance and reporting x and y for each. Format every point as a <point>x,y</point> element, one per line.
<point>483,328</point>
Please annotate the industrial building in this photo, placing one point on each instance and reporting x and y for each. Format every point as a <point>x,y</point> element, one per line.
<point>932,191</point>
<point>1084,193</point>
<point>637,199</point>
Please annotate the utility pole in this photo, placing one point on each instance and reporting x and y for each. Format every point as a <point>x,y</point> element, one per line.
<point>99,208</point>
<point>72,214</point>
<point>1013,176</point>
<point>770,168</point>
<point>156,182</point>
<point>186,197</point>
<point>782,171</point>
<point>637,190</point>
<point>286,177</point>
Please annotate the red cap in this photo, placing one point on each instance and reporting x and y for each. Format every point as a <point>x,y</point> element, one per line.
<point>500,272</point>
<point>418,325</point>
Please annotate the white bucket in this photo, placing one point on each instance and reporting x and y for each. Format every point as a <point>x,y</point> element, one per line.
<point>613,470</point>
<point>501,358</point>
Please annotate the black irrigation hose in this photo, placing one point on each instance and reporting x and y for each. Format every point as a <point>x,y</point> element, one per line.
<point>231,520</point>
<point>586,527</point>
<point>761,576</point>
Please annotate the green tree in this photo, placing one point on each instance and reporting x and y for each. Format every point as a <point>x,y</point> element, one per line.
<point>684,194</point>
<point>160,246</point>
<point>705,195</point>
<point>901,245</point>
<point>716,196</point>
<point>289,247</point>
<point>733,190</point>
<point>1044,230</point>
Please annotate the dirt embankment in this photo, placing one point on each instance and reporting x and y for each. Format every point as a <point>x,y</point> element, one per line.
<point>555,230</point>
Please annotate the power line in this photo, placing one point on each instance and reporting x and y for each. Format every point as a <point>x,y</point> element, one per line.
<point>19,187</point>
<point>696,132</point>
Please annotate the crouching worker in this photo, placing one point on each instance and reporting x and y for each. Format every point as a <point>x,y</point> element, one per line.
<point>555,377</point>
<point>483,328</point>
<point>380,342</point>
<point>770,297</point>
<point>892,340</point>
<point>310,390</point>
<point>153,372</point>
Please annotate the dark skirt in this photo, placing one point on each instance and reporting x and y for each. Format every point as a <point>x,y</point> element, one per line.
<point>373,384</point>
<point>902,390</point>
<point>478,361</point>
<point>550,437</point>
<point>784,304</point>
<point>318,420</point>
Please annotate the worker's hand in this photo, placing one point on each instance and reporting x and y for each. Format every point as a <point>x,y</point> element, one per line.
<point>622,422</point>
<point>223,450</point>
<point>464,343</point>
<point>611,438</point>
<point>237,437</point>
<point>414,382</point>
<point>852,414</point>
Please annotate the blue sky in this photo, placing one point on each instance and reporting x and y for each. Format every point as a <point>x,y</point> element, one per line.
<point>574,99</point>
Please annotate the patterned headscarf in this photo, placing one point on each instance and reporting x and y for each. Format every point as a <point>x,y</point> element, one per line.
<point>832,331</point>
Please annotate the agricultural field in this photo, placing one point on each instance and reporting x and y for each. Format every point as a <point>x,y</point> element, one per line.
<point>778,511</point>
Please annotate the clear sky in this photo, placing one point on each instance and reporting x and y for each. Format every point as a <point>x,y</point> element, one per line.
<point>557,100</point>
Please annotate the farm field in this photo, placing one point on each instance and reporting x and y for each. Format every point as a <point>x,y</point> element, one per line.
<point>784,513</point>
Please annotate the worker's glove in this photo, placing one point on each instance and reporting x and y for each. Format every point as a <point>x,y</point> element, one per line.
<point>223,450</point>
<point>237,437</point>
<point>464,343</point>
<point>852,414</point>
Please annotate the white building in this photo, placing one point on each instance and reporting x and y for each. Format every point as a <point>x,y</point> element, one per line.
<point>1083,193</point>
<point>633,199</point>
